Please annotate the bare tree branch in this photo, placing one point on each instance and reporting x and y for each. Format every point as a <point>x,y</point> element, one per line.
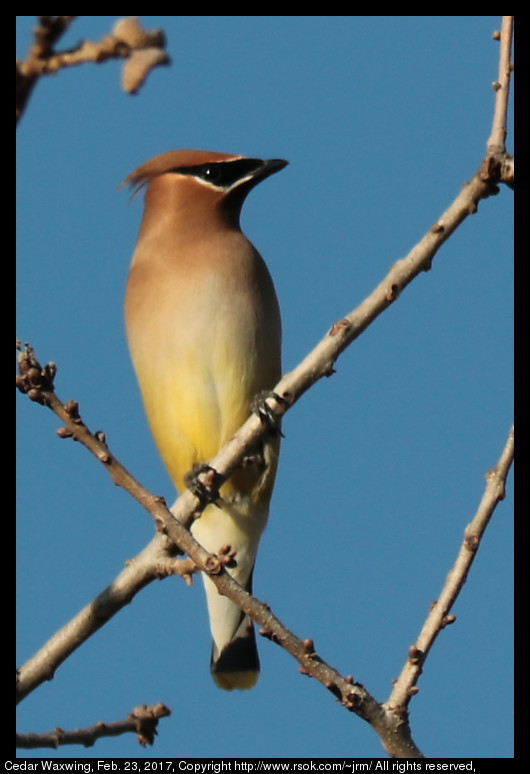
<point>143,50</point>
<point>439,616</point>
<point>497,138</point>
<point>142,721</point>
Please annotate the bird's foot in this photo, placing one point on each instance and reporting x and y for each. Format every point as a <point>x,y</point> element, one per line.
<point>226,556</point>
<point>267,414</point>
<point>204,482</point>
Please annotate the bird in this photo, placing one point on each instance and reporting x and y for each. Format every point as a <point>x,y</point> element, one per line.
<point>203,327</point>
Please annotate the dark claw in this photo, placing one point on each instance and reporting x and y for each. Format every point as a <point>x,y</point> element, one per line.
<point>205,491</point>
<point>266,414</point>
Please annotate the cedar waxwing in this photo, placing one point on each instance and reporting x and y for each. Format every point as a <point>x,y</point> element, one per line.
<point>204,332</point>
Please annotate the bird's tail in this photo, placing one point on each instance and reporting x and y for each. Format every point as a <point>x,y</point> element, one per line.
<point>234,660</point>
<point>235,664</point>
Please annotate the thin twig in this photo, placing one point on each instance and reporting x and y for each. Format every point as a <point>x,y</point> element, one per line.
<point>439,616</point>
<point>45,35</point>
<point>142,721</point>
<point>497,139</point>
<point>142,49</point>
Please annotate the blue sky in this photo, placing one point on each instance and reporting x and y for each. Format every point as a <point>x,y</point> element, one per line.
<point>382,119</point>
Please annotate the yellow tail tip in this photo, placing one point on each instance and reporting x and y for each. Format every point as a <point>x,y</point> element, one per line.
<point>240,681</point>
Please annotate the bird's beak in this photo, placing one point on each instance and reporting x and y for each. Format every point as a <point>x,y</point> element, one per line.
<point>263,169</point>
<point>269,167</point>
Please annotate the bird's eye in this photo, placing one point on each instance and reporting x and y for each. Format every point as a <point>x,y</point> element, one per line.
<point>212,174</point>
